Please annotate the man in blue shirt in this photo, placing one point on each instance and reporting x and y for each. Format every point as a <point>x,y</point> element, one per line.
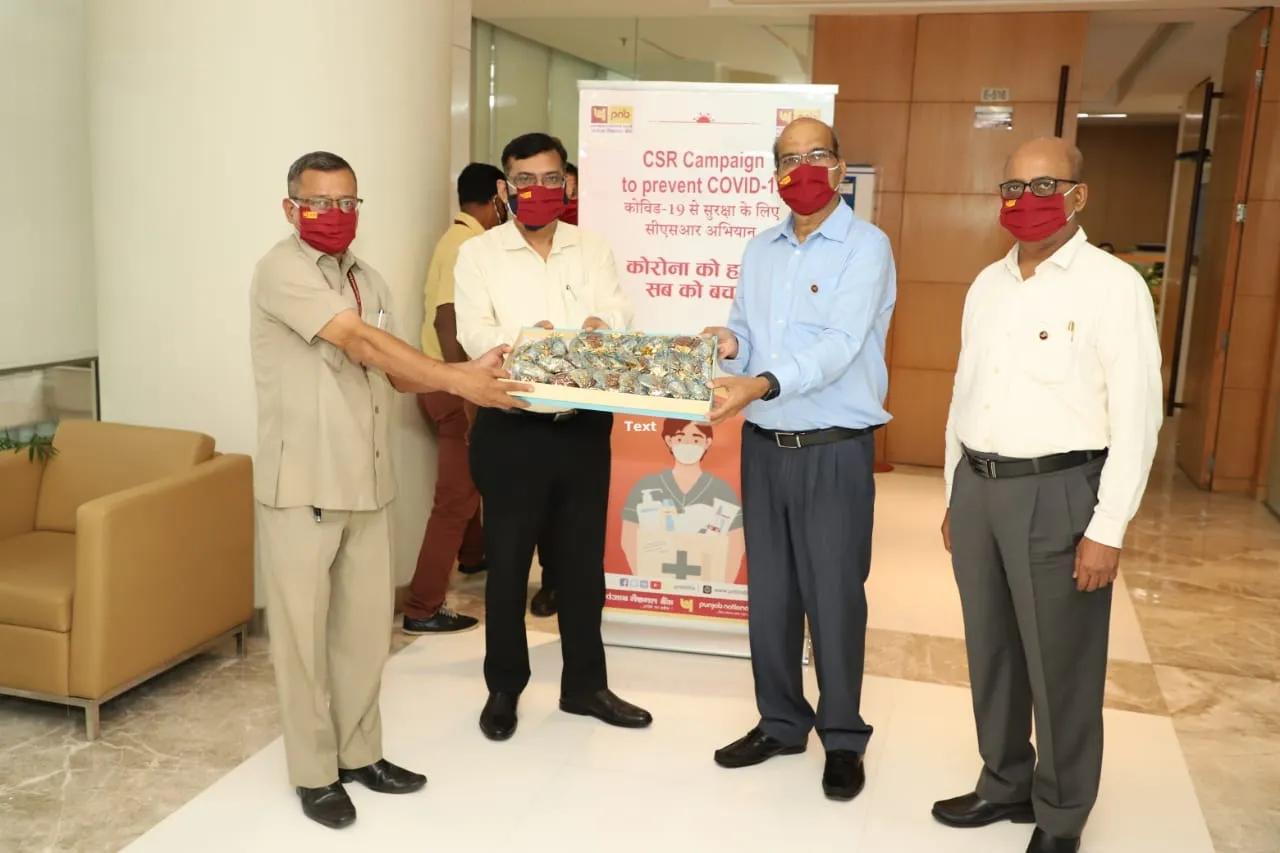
<point>806,345</point>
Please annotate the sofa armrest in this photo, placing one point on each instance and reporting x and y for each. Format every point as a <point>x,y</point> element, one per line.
<point>160,569</point>
<point>19,491</point>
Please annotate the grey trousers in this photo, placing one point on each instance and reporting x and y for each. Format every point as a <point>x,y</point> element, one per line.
<point>807,516</point>
<point>1037,646</point>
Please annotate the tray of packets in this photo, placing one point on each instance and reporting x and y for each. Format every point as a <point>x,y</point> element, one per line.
<point>614,371</point>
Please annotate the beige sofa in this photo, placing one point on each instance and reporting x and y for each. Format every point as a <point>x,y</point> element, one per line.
<point>129,552</point>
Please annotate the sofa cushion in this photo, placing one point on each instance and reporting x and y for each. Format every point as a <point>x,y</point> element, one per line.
<point>37,580</point>
<point>96,459</point>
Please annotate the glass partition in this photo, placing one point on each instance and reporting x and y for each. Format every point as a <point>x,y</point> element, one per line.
<point>34,399</point>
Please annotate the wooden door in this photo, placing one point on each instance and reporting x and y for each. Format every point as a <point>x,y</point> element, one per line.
<point>1232,157</point>
<point>1177,273</point>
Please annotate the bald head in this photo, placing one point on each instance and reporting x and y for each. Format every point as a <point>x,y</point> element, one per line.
<point>1047,157</point>
<point>804,135</point>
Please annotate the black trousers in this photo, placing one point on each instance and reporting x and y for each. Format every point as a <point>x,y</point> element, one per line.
<point>807,515</point>
<point>544,483</point>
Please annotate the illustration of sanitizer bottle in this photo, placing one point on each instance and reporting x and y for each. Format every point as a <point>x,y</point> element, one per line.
<point>649,510</point>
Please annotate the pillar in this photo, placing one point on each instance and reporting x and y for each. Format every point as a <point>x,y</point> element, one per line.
<point>46,240</point>
<point>196,111</point>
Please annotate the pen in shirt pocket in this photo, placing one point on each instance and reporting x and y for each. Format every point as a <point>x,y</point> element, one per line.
<point>1071,330</point>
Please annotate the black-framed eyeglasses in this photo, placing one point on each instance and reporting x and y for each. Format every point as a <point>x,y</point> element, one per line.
<point>817,157</point>
<point>524,180</point>
<point>321,204</point>
<point>1041,187</point>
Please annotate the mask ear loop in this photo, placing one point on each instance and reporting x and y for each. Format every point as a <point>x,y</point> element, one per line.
<point>1071,215</point>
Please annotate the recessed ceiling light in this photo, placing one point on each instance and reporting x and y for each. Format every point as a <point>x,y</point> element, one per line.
<point>1102,115</point>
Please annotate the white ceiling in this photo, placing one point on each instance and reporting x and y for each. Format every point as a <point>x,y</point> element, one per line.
<point>708,40</point>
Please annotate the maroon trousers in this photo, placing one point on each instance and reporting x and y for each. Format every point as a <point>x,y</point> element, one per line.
<point>453,530</point>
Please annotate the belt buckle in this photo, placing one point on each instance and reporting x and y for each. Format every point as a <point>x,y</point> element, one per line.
<point>795,437</point>
<point>989,466</point>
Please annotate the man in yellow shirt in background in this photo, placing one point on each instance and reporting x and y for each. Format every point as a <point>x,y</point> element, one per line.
<point>454,528</point>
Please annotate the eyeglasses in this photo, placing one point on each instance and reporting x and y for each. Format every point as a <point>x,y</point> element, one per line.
<point>1042,187</point>
<point>323,205</point>
<point>817,157</point>
<point>524,180</point>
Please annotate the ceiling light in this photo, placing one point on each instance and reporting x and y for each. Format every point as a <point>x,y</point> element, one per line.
<point>1102,115</point>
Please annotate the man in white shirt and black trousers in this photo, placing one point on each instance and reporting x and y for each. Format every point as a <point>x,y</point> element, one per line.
<point>543,475</point>
<point>1053,427</point>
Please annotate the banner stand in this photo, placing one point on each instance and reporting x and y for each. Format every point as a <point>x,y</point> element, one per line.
<point>679,177</point>
<point>684,640</point>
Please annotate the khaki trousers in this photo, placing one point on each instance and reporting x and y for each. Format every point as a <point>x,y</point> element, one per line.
<point>330,599</point>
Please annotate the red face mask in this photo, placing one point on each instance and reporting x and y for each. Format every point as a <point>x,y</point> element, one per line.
<point>806,189</point>
<point>1032,218</point>
<point>536,207</point>
<point>330,231</point>
<point>570,215</point>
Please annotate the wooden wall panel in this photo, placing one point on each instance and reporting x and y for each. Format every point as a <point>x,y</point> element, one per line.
<point>950,238</point>
<point>958,55</point>
<point>921,399</point>
<point>869,58</point>
<point>1130,170</point>
<point>875,132</point>
<point>928,327</point>
<point>907,93</point>
<point>947,154</point>
<point>1238,459</point>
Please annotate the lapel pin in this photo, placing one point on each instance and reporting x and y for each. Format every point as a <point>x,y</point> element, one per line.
<point>1044,336</point>
<point>813,288</point>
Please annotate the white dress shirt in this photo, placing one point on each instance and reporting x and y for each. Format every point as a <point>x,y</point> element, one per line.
<point>502,285</point>
<point>1068,359</point>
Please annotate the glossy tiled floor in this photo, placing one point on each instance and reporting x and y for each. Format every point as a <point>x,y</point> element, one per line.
<point>1193,743</point>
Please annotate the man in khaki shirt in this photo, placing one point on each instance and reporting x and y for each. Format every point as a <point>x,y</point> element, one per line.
<point>453,529</point>
<point>325,367</point>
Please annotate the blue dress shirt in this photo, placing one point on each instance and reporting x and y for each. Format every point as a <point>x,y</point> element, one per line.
<point>816,315</point>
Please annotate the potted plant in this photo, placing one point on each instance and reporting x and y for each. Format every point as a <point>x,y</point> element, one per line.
<point>38,447</point>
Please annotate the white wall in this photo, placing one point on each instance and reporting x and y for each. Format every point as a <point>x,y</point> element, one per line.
<point>195,118</point>
<point>46,236</point>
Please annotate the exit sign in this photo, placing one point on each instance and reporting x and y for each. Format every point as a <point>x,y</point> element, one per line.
<point>992,94</point>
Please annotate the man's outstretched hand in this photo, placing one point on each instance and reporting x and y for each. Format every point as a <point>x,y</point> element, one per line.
<point>484,382</point>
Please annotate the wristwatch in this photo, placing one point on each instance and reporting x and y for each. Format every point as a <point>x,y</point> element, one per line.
<point>774,388</point>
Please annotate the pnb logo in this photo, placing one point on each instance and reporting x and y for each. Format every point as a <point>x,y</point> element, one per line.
<point>611,115</point>
<point>786,116</point>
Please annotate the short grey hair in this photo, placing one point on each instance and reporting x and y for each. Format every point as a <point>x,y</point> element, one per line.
<point>835,143</point>
<point>316,161</point>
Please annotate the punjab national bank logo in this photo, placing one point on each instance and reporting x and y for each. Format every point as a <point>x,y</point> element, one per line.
<point>611,119</point>
<point>786,116</point>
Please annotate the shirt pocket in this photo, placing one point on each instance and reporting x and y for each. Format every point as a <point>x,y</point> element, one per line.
<point>815,302</point>
<point>1045,347</point>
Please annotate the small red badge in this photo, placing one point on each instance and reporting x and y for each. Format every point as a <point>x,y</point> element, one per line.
<point>1044,336</point>
<point>813,288</point>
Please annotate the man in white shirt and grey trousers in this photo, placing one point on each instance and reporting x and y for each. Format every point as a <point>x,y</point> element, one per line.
<point>543,475</point>
<point>1053,427</point>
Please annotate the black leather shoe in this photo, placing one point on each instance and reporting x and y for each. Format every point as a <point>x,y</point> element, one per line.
<point>498,719</point>
<point>1043,842</point>
<point>971,811</point>
<point>328,806</point>
<point>607,708</point>
<point>544,602</point>
<point>443,621</point>
<point>384,777</point>
<point>473,570</point>
<point>844,775</point>
<point>755,748</point>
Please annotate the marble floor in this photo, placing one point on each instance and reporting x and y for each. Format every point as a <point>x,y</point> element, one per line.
<point>1193,714</point>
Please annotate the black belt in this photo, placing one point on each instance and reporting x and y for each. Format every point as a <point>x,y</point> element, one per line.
<point>553,417</point>
<point>1004,469</point>
<point>809,438</point>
